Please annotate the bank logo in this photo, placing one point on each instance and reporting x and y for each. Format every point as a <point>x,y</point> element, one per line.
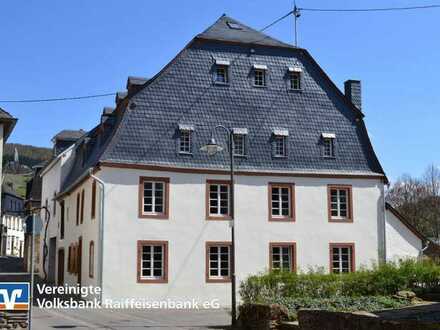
<point>14,296</point>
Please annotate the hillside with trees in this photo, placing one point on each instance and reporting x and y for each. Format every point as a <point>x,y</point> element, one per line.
<point>18,174</point>
<point>28,155</point>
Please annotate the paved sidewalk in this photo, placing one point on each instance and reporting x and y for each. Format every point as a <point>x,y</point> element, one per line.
<point>44,319</point>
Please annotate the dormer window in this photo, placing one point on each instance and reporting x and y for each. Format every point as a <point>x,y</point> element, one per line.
<point>221,72</point>
<point>239,137</point>
<point>260,75</point>
<point>328,148</point>
<point>280,142</point>
<point>185,139</point>
<point>295,74</point>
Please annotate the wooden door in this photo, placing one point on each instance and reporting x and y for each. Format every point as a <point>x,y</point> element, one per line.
<point>79,260</point>
<point>60,279</point>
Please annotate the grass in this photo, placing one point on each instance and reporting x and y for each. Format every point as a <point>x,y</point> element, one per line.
<point>19,182</point>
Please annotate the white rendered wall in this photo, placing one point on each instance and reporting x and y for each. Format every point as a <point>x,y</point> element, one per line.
<point>187,230</point>
<point>401,242</point>
<point>15,232</point>
<point>88,230</point>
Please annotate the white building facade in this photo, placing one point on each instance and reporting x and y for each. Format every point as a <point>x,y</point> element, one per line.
<point>140,211</point>
<point>14,244</point>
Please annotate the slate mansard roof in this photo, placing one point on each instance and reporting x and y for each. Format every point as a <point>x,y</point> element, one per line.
<point>144,128</point>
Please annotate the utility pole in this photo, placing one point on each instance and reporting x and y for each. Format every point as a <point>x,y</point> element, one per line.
<point>296,15</point>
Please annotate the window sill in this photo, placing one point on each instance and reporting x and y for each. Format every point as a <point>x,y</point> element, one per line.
<point>279,157</point>
<point>329,157</point>
<point>281,219</point>
<point>161,216</point>
<point>152,281</point>
<point>343,220</point>
<point>218,280</point>
<point>259,86</point>
<point>296,90</point>
<point>218,217</point>
<point>185,153</point>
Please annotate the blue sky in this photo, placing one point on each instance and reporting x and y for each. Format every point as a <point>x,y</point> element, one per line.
<point>65,48</point>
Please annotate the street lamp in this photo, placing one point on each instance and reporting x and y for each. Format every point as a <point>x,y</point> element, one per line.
<point>211,148</point>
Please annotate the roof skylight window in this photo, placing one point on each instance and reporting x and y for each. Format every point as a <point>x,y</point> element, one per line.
<point>234,26</point>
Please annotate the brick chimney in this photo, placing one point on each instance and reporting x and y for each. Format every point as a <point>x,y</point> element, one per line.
<point>353,92</point>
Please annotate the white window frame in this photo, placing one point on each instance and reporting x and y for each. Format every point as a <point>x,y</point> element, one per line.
<point>152,260</point>
<point>218,198</point>
<point>154,197</point>
<point>277,139</point>
<point>219,268</point>
<point>242,148</point>
<point>328,147</point>
<point>341,268</point>
<point>336,205</point>
<point>282,249</point>
<point>280,208</point>
<point>292,80</point>
<point>263,78</point>
<point>225,69</point>
<point>185,141</point>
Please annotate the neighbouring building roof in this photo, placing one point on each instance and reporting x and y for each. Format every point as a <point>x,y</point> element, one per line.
<point>144,130</point>
<point>68,135</point>
<point>34,186</point>
<point>9,123</point>
<point>405,222</point>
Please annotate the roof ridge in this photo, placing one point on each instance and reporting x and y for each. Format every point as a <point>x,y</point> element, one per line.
<point>242,33</point>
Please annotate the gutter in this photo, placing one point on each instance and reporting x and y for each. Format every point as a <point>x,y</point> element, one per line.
<point>101,232</point>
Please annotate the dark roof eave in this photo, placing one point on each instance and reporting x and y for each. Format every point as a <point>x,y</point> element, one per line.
<point>9,126</point>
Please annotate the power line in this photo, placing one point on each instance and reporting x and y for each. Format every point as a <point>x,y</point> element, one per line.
<point>276,21</point>
<point>371,9</point>
<point>58,98</point>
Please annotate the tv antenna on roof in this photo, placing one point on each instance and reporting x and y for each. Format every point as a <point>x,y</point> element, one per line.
<point>296,14</point>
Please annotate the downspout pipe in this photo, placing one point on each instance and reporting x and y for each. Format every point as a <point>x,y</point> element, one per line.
<point>384,234</point>
<point>422,250</point>
<point>101,232</point>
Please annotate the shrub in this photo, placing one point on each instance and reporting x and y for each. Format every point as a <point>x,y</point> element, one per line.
<point>380,280</point>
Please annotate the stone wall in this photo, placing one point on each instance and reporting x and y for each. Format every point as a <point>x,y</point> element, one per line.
<point>323,320</point>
